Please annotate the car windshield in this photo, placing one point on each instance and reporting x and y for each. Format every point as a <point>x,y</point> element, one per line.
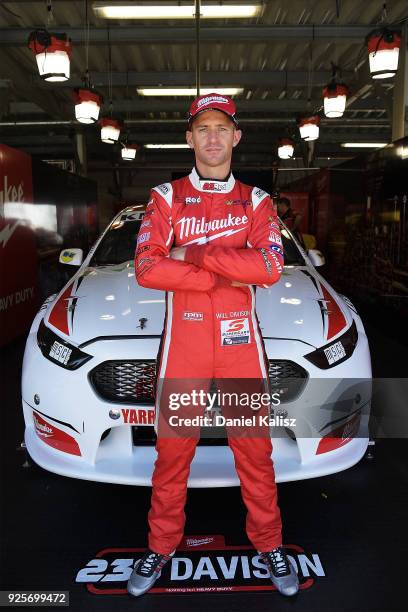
<point>119,245</point>
<point>293,257</point>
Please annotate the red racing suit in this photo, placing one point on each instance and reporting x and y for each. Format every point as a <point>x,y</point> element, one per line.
<point>231,233</point>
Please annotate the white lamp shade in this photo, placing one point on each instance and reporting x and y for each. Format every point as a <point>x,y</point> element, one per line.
<point>87,111</point>
<point>285,151</point>
<point>109,134</point>
<point>384,63</point>
<point>53,66</point>
<point>309,131</point>
<point>128,153</point>
<point>335,107</point>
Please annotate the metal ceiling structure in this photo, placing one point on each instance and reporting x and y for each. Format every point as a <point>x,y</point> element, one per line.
<point>281,59</point>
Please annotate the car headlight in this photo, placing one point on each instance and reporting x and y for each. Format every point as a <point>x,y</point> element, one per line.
<point>334,353</point>
<point>58,350</point>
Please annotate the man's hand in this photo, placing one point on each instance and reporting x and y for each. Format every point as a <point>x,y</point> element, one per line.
<point>178,253</point>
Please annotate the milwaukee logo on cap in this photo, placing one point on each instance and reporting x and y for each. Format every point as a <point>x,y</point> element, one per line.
<point>208,99</point>
<point>213,101</point>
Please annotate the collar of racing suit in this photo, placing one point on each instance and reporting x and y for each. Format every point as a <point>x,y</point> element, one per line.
<point>211,185</point>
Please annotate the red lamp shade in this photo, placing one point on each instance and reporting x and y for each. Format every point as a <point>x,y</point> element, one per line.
<point>52,53</point>
<point>335,96</point>
<point>110,130</point>
<point>383,52</point>
<point>87,105</point>
<point>309,127</point>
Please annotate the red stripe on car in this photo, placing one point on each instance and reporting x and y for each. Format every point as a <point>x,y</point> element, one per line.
<point>336,319</point>
<point>59,313</point>
<point>340,436</point>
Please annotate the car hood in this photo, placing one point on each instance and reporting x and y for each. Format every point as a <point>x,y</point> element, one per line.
<point>302,306</point>
<point>107,301</point>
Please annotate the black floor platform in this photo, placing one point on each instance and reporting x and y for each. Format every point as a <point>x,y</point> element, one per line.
<point>347,532</point>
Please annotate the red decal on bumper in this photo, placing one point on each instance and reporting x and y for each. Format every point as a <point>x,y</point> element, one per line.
<point>55,437</point>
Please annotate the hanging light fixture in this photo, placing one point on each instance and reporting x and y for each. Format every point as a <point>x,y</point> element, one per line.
<point>129,151</point>
<point>88,102</point>
<point>52,53</point>
<point>286,147</point>
<point>110,127</point>
<point>308,123</point>
<point>309,127</point>
<point>383,52</point>
<point>335,96</point>
<point>87,105</point>
<point>110,130</point>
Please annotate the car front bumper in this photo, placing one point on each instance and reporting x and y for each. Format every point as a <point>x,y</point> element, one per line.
<point>70,406</point>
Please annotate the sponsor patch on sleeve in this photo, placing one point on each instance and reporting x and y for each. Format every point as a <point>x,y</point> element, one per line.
<point>235,331</point>
<point>143,237</point>
<point>276,249</point>
<point>142,250</point>
<point>163,188</point>
<point>275,258</point>
<point>258,195</point>
<point>274,237</point>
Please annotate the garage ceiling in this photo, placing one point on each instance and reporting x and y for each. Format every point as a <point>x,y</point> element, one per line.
<point>280,58</point>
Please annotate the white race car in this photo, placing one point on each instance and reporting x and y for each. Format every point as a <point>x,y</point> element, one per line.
<point>90,367</point>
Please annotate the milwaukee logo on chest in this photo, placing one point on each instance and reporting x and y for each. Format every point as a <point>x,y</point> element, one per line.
<point>190,226</point>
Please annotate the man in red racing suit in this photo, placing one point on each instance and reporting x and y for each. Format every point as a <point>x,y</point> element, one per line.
<point>207,242</point>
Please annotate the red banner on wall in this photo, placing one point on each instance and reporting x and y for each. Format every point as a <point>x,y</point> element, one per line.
<point>18,253</point>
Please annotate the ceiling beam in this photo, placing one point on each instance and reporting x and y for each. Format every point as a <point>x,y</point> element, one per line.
<point>273,105</point>
<point>184,34</point>
<point>247,79</point>
<point>250,140</point>
<point>355,123</point>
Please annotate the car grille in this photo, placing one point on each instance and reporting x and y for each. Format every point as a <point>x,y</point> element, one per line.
<point>287,378</point>
<point>133,381</point>
<point>125,382</point>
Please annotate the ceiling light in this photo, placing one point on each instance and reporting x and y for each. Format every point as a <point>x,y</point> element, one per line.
<point>129,151</point>
<point>52,53</point>
<point>188,91</point>
<point>285,148</point>
<point>363,145</point>
<point>166,146</point>
<point>335,96</point>
<point>309,127</point>
<point>402,152</point>
<point>87,105</point>
<point>110,130</point>
<point>383,51</point>
<point>131,10</point>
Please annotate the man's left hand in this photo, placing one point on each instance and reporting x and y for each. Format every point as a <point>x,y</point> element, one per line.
<point>178,253</point>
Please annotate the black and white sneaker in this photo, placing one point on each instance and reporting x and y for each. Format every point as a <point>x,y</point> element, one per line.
<point>146,572</point>
<point>281,571</point>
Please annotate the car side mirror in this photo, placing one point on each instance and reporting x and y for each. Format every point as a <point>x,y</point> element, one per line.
<point>71,257</point>
<point>316,257</point>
